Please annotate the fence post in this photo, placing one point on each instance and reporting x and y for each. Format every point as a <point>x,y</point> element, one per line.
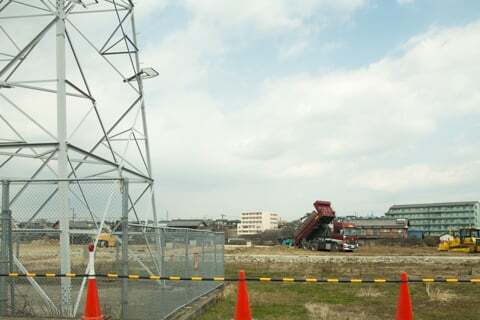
<point>215,253</point>
<point>163,245</point>
<point>5,254</point>
<point>17,249</point>
<point>222,249</point>
<point>202,267</point>
<point>124,298</point>
<point>10,261</point>
<point>117,257</point>
<point>13,268</point>
<point>187,242</point>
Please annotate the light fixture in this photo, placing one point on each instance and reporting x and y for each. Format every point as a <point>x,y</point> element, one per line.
<point>4,84</point>
<point>145,73</point>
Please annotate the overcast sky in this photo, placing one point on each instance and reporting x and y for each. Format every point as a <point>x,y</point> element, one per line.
<point>273,104</point>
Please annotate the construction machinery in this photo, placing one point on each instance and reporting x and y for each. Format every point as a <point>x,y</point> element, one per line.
<point>81,233</point>
<point>107,240</point>
<point>319,232</point>
<point>464,240</point>
<point>346,231</point>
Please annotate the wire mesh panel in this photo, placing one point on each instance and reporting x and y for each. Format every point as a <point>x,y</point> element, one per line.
<point>176,252</point>
<point>100,212</point>
<point>94,214</point>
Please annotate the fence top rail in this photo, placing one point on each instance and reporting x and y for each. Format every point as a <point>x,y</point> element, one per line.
<point>83,180</point>
<point>175,229</point>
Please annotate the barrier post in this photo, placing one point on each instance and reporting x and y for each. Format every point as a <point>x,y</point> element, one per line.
<point>404,308</point>
<point>92,302</point>
<point>242,308</point>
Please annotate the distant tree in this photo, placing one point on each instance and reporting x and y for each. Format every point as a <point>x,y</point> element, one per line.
<point>274,236</point>
<point>289,229</point>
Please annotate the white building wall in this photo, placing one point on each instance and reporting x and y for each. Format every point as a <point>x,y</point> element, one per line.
<point>256,222</point>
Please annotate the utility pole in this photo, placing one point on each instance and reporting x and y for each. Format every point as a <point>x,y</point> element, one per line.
<point>223,216</point>
<point>63,206</point>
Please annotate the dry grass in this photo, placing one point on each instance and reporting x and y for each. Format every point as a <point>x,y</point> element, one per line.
<point>319,311</point>
<point>369,292</point>
<point>275,301</point>
<point>436,294</point>
<point>230,290</point>
<point>265,297</point>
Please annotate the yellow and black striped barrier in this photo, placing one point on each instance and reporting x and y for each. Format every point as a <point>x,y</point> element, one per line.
<point>115,276</point>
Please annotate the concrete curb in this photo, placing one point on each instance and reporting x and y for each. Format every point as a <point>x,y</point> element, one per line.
<point>196,308</point>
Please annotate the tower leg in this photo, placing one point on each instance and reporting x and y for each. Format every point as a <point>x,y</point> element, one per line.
<point>63,208</point>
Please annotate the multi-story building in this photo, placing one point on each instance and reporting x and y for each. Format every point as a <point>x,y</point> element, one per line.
<point>378,227</point>
<point>435,219</point>
<point>227,226</point>
<point>256,222</point>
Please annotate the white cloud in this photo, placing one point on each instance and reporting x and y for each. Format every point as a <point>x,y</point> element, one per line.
<point>403,2</point>
<point>330,127</point>
<point>294,50</point>
<point>416,177</point>
<point>267,15</point>
<point>186,54</point>
<point>146,7</point>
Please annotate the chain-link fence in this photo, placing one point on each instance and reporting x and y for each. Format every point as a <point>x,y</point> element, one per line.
<point>114,215</point>
<point>174,252</point>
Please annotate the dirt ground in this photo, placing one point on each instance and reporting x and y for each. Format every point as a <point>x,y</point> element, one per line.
<point>41,256</point>
<point>374,250</point>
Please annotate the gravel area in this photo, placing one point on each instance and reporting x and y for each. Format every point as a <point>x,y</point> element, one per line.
<point>342,259</point>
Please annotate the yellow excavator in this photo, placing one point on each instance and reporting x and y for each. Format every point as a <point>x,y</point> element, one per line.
<point>465,240</point>
<point>107,240</point>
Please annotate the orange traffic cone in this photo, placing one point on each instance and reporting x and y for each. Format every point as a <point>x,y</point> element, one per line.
<point>242,309</point>
<point>404,307</point>
<point>92,303</point>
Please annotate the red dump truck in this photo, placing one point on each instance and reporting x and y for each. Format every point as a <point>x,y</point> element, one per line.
<point>318,231</point>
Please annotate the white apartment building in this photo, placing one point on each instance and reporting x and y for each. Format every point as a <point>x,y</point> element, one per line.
<point>256,222</point>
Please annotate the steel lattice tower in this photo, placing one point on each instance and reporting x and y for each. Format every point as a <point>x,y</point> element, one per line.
<point>72,103</point>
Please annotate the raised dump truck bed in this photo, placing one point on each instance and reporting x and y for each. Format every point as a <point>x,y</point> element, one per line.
<point>322,216</point>
<point>315,232</point>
